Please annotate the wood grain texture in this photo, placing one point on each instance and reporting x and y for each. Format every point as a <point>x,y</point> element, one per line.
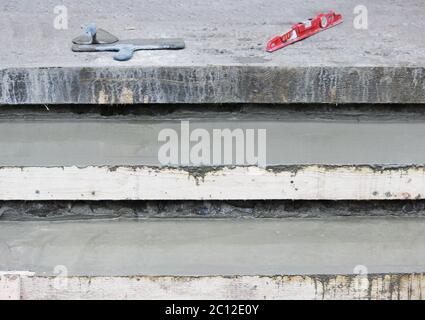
<point>10,287</point>
<point>358,287</point>
<point>152,183</point>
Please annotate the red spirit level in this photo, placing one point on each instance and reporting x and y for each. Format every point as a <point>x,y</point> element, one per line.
<point>304,30</point>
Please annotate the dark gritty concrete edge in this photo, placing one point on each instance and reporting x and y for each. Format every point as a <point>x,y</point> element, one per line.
<point>82,210</point>
<point>212,84</point>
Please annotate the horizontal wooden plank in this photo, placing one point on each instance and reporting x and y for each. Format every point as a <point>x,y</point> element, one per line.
<point>394,286</point>
<point>10,287</point>
<point>154,183</point>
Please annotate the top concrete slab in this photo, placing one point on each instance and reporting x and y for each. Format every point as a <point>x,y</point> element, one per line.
<point>225,60</point>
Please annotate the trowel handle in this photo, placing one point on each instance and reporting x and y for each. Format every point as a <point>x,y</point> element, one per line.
<point>125,53</point>
<point>91,31</point>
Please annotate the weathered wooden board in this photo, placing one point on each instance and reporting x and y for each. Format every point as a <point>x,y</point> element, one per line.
<point>383,287</point>
<point>10,287</point>
<point>154,183</point>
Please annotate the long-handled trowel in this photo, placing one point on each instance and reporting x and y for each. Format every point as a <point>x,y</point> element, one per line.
<point>99,40</point>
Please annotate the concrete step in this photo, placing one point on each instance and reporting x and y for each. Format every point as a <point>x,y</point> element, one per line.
<point>291,138</point>
<point>194,247</point>
<point>313,153</point>
<point>225,59</point>
<point>343,112</point>
<point>237,258</point>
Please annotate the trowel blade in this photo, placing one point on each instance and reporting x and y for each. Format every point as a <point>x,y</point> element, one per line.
<point>102,37</point>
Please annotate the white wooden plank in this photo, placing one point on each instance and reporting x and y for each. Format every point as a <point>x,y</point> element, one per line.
<point>147,183</point>
<point>10,287</point>
<point>404,286</point>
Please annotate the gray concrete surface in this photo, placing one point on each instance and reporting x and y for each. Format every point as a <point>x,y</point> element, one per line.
<point>224,61</point>
<point>68,142</point>
<point>214,247</point>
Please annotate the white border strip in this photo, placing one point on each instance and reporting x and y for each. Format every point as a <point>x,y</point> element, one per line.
<point>147,183</point>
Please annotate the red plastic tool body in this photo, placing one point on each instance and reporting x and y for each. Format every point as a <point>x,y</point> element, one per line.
<point>304,30</point>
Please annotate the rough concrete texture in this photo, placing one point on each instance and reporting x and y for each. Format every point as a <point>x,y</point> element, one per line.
<point>224,61</point>
<point>215,247</point>
<point>88,210</point>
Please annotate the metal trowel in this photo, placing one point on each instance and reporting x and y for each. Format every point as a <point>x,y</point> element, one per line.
<point>99,40</point>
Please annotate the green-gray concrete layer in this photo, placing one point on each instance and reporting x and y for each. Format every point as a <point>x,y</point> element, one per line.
<point>215,247</point>
<point>79,142</point>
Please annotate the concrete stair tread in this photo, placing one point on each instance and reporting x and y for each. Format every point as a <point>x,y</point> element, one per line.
<point>196,247</point>
<point>225,60</point>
